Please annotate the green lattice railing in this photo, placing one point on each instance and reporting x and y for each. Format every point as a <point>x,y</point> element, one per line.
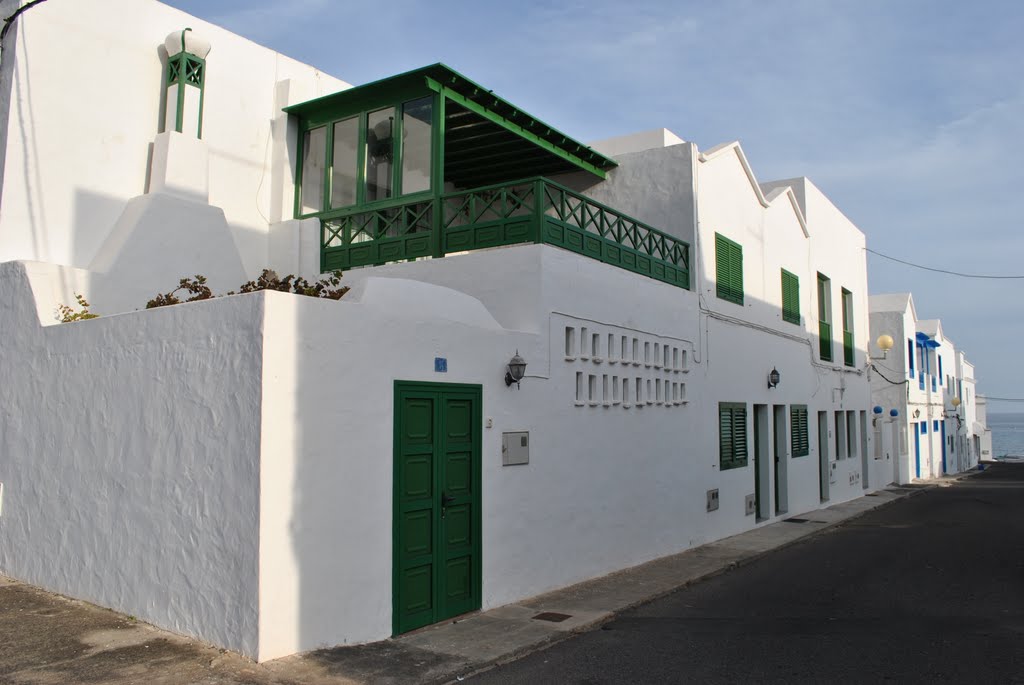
<point>534,210</point>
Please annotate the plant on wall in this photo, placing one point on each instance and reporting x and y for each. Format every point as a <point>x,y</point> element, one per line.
<point>329,288</point>
<point>66,314</point>
<point>195,286</point>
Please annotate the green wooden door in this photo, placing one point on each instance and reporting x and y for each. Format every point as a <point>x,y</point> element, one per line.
<point>436,573</point>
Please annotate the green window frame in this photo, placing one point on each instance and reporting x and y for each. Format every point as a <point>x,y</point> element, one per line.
<point>790,297</point>
<point>728,269</point>
<point>799,438</point>
<point>824,318</point>
<point>847,302</point>
<point>732,435</point>
<point>388,190</point>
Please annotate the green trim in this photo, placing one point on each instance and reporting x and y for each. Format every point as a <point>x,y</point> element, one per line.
<point>185,70</point>
<point>728,269</point>
<point>416,83</point>
<point>440,609</point>
<point>518,130</point>
<point>437,153</point>
<point>799,438</point>
<point>533,210</point>
<point>825,341</point>
<point>790,297</point>
<point>824,318</point>
<point>846,299</point>
<point>732,435</point>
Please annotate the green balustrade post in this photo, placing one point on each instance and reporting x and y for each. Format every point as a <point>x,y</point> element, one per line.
<point>539,200</point>
<point>437,226</point>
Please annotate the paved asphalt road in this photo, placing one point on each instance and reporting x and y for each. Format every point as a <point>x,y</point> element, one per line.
<point>927,590</point>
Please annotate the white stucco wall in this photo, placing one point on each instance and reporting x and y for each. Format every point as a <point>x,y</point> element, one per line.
<point>786,225</point>
<point>129,456</point>
<point>608,485</point>
<point>596,496</point>
<point>248,440</point>
<point>65,186</point>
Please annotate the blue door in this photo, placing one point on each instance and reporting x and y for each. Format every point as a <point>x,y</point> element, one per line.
<point>944,447</point>
<point>917,451</point>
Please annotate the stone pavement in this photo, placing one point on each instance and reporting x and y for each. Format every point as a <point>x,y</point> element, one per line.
<point>45,638</point>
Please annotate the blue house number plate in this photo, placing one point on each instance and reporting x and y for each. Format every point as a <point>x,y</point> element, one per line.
<point>440,365</point>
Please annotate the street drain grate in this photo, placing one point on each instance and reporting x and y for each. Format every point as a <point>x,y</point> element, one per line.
<point>795,520</point>
<point>551,616</point>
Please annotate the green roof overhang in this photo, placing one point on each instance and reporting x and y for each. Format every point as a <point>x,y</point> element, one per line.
<point>486,138</point>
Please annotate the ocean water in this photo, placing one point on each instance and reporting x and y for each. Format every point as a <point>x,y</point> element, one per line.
<point>1007,434</point>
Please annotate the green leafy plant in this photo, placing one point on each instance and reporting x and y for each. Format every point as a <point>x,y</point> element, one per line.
<point>66,314</point>
<point>328,287</point>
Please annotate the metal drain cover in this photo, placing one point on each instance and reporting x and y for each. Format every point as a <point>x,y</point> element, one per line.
<point>794,520</point>
<point>551,616</point>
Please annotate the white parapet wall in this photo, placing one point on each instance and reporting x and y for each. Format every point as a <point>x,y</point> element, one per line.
<point>129,456</point>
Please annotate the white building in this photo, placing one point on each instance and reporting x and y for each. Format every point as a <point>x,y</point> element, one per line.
<point>923,392</point>
<point>275,473</point>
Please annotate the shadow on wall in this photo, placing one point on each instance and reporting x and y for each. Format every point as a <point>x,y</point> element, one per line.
<point>35,214</point>
<point>94,217</point>
<point>6,78</point>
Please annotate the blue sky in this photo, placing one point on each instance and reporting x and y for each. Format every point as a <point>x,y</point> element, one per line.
<point>908,114</point>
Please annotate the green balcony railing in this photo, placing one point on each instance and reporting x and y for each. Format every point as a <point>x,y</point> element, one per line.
<point>825,341</point>
<point>534,210</point>
<point>848,348</point>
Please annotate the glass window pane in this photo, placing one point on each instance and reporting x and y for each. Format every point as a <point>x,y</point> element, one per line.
<point>380,153</point>
<point>314,152</point>
<point>416,122</point>
<point>345,162</point>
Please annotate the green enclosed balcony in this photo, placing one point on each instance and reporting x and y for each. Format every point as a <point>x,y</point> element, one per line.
<point>428,163</point>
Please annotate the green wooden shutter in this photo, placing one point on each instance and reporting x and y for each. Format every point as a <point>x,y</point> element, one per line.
<point>798,430</point>
<point>848,357</point>
<point>790,297</point>
<point>724,436</point>
<point>728,269</point>
<point>732,435</point>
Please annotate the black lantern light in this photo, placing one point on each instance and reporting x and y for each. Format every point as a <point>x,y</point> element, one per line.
<point>515,370</point>
<point>773,378</point>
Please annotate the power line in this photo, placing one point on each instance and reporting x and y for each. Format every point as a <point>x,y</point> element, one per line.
<point>943,271</point>
<point>885,378</point>
<point>1003,399</point>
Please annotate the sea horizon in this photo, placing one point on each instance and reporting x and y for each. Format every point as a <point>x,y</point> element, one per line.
<point>1007,433</point>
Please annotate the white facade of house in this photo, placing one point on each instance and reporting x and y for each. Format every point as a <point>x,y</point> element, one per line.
<point>981,433</point>
<point>226,468</point>
<point>929,385</point>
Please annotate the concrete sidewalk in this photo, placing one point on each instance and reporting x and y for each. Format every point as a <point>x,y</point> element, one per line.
<point>45,638</point>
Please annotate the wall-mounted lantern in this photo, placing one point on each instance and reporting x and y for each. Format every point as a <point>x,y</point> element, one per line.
<point>953,413</point>
<point>185,82</point>
<point>894,413</point>
<point>884,343</point>
<point>515,370</point>
<point>773,378</point>
<point>917,413</point>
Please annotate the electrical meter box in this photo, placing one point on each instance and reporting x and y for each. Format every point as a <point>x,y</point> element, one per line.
<point>515,448</point>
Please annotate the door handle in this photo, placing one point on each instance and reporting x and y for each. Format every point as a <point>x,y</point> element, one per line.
<point>446,499</point>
